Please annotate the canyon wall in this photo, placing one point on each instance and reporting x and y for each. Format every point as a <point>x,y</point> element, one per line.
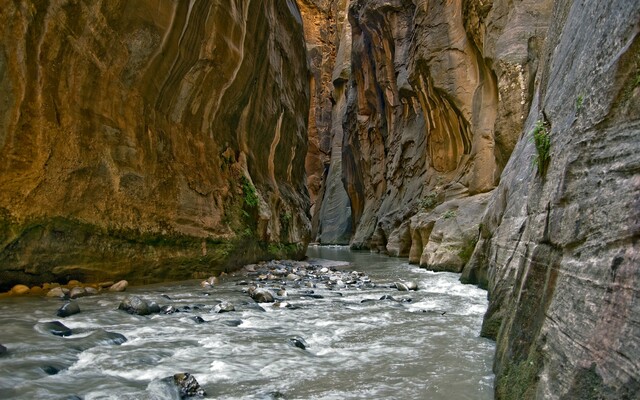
<point>328,37</point>
<point>150,140</point>
<point>439,162</point>
<point>559,248</point>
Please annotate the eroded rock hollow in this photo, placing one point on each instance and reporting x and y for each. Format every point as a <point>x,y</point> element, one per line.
<point>150,140</point>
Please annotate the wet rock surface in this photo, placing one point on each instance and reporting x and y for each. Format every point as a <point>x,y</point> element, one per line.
<point>68,309</point>
<point>57,328</point>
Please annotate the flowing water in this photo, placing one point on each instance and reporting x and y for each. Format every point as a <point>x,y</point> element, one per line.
<point>428,348</point>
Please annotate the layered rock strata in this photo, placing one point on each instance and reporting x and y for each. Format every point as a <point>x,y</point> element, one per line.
<point>150,140</point>
<point>559,247</point>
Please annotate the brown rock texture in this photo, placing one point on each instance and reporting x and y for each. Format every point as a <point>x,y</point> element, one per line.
<point>150,140</point>
<point>559,249</point>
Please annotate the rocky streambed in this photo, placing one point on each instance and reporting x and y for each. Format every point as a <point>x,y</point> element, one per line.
<point>360,326</point>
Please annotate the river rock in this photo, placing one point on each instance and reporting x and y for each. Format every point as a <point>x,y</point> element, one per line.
<point>3,350</point>
<point>261,295</point>
<point>76,292</point>
<point>224,307</point>
<point>50,369</point>
<point>19,290</point>
<point>105,285</point>
<point>58,292</point>
<point>57,328</point>
<point>298,342</point>
<point>135,305</point>
<point>73,283</point>
<point>68,309</point>
<point>36,290</point>
<point>232,322</point>
<point>198,319</point>
<point>167,309</point>
<point>188,386</point>
<point>91,291</point>
<point>119,286</point>
<point>406,286</point>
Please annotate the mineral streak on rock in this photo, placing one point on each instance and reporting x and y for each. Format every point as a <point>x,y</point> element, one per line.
<point>149,140</point>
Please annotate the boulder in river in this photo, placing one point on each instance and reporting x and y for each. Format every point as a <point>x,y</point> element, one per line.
<point>57,328</point>
<point>3,350</point>
<point>224,307</point>
<point>119,286</point>
<point>261,295</point>
<point>68,309</point>
<point>135,305</point>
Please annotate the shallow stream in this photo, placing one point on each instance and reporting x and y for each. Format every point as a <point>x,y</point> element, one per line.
<point>425,348</point>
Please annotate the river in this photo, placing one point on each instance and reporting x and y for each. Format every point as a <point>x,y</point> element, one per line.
<point>425,347</point>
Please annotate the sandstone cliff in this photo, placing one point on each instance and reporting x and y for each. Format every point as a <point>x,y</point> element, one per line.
<point>328,37</point>
<point>441,103</point>
<point>435,102</point>
<point>559,247</point>
<point>150,140</point>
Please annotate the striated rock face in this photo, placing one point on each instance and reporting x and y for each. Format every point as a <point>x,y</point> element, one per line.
<point>328,37</point>
<point>559,251</point>
<point>150,140</point>
<point>436,102</point>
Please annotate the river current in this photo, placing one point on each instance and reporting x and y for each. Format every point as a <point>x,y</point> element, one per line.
<point>424,345</point>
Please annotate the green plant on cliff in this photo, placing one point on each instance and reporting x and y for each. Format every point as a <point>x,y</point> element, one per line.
<point>579,102</point>
<point>449,214</point>
<point>542,141</point>
<point>429,201</point>
<point>249,192</point>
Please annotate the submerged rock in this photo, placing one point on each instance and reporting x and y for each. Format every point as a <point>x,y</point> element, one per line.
<point>233,322</point>
<point>50,369</point>
<point>3,350</point>
<point>68,309</point>
<point>57,328</point>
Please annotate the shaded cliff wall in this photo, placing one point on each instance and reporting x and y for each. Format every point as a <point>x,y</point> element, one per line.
<point>438,95</point>
<point>150,140</point>
<point>559,249</point>
<point>328,37</point>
